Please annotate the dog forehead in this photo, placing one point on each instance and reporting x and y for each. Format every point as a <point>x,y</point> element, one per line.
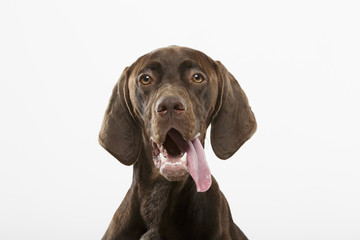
<point>170,58</point>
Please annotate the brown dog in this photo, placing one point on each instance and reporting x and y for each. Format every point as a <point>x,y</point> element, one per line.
<point>156,121</point>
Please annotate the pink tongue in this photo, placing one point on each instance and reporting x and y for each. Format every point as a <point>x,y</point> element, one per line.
<point>198,167</point>
<point>196,162</point>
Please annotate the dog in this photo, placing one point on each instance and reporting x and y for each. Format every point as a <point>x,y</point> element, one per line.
<point>156,121</point>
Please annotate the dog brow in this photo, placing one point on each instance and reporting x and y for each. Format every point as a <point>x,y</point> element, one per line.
<point>190,64</point>
<point>153,66</point>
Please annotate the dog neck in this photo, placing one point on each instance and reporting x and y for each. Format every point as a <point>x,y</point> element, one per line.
<point>154,191</point>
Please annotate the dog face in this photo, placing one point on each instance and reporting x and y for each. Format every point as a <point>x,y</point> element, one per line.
<point>174,88</point>
<point>169,97</point>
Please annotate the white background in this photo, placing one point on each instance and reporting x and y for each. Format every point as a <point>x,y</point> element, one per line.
<point>298,62</point>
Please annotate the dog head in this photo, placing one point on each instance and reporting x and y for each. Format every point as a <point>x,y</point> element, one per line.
<point>168,98</point>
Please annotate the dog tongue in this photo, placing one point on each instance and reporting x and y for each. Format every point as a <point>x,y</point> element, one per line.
<point>198,167</point>
<point>196,162</point>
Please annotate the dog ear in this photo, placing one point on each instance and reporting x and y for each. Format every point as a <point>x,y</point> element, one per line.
<point>234,123</point>
<point>119,134</point>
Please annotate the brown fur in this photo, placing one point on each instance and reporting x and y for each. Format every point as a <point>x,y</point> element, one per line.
<point>155,208</point>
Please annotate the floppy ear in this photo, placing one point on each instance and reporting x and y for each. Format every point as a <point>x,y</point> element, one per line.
<point>119,134</point>
<point>234,123</point>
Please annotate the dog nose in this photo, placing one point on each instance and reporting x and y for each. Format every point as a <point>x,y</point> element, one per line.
<point>170,104</point>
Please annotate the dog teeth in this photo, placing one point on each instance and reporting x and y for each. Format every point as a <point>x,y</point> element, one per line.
<point>162,149</point>
<point>183,158</point>
<point>174,164</point>
<point>163,158</point>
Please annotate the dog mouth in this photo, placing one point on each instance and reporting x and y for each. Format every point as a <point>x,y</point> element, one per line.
<point>177,157</point>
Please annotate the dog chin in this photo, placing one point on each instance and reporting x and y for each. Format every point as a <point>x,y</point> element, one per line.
<point>177,175</point>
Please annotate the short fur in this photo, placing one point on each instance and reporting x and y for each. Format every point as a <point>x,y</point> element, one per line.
<point>155,208</point>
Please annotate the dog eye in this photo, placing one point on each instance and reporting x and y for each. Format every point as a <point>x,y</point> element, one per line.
<point>198,78</point>
<point>145,79</point>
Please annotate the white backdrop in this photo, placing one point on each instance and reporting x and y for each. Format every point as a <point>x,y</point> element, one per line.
<point>298,62</point>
